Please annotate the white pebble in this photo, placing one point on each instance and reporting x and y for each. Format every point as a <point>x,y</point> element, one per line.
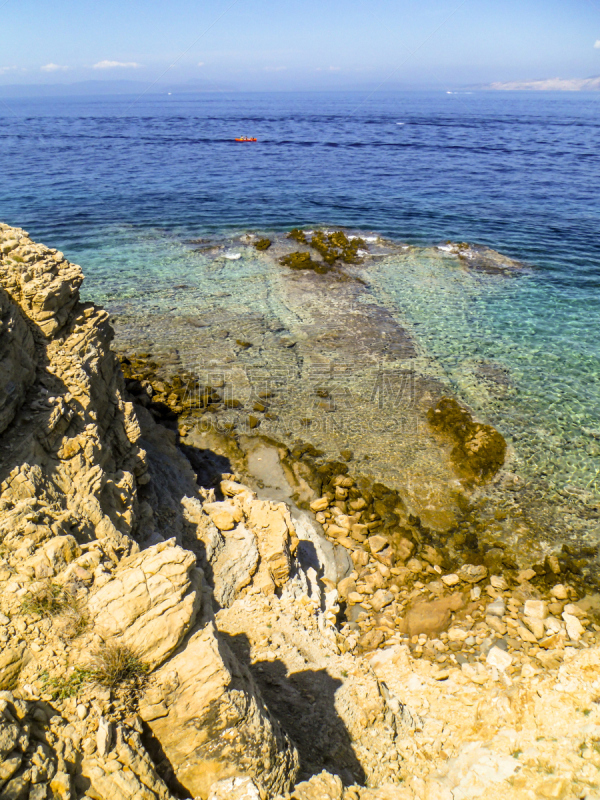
<point>451,580</point>
<point>499,658</point>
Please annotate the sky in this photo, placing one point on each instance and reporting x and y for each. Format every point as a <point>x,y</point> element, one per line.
<point>269,44</point>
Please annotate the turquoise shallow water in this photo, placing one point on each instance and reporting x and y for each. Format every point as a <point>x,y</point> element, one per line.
<point>123,186</point>
<point>523,354</point>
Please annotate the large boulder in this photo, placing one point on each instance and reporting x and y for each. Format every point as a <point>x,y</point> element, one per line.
<point>235,565</point>
<point>209,718</point>
<point>245,540</point>
<point>272,524</point>
<point>151,602</point>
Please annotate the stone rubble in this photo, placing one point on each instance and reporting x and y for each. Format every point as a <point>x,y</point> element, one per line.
<point>333,651</point>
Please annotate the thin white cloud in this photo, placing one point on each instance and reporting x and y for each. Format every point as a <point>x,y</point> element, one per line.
<point>274,69</point>
<point>597,44</point>
<point>7,69</point>
<point>53,68</point>
<point>201,63</point>
<point>334,69</point>
<point>116,64</point>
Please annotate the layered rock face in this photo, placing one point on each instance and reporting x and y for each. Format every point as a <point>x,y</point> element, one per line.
<point>160,639</point>
<point>87,573</point>
<point>205,710</point>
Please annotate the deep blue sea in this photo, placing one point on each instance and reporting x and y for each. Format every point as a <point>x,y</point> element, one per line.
<point>119,184</point>
<point>517,171</point>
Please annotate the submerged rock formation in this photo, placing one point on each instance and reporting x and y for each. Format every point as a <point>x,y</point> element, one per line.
<point>166,637</point>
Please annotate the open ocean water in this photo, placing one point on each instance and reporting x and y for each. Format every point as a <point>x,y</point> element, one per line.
<point>121,185</point>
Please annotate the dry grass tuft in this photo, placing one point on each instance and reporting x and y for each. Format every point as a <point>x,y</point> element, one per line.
<point>51,600</point>
<point>116,663</point>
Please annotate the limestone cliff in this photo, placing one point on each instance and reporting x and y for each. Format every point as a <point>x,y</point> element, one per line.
<point>85,566</point>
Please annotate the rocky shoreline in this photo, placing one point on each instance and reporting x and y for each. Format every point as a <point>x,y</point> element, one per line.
<point>188,612</point>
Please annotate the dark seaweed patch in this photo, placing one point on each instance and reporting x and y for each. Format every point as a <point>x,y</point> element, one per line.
<point>479,450</point>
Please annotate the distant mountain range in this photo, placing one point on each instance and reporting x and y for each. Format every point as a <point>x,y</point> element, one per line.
<point>99,87</point>
<point>550,85</point>
<point>92,88</point>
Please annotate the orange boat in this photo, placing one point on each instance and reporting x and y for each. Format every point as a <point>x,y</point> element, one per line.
<point>246,139</point>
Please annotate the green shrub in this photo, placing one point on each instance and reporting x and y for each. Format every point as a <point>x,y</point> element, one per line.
<point>60,688</point>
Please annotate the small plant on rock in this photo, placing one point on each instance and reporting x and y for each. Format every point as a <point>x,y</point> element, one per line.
<point>61,688</point>
<point>50,600</point>
<point>47,600</point>
<point>116,663</point>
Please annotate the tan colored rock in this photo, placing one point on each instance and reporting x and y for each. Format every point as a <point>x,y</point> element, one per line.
<point>560,591</point>
<point>433,617</point>
<point>451,580</point>
<point>471,573</point>
<point>346,587</point>
<point>536,626</point>
<point>371,640</point>
<point>234,789</point>
<point>387,792</point>
<point>11,663</point>
<point>457,635</point>
<point>431,555</point>
<point>404,549</point>
<point>499,658</point>
<point>378,543</point>
<point>358,504</point>
<point>347,542</point>
<point>272,524</point>
<point>232,488</point>
<point>17,359</point>
<point>54,556</point>
<point>496,624</point>
<point>525,634</point>
<point>320,787</point>
<point>526,575</point>
<point>336,531</point>
<point>321,504</point>
<point>537,609</point>
<point>343,520</point>
<point>381,599</point>
<point>61,786</point>
<point>224,515</point>
<point>574,627</point>
<point>204,692</point>
<point>574,609</point>
<point>499,582</point>
<point>151,601</point>
<point>117,785</point>
<point>235,565</point>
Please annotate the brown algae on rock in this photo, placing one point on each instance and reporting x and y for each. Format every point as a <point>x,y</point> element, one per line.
<point>479,450</point>
<point>304,261</point>
<point>332,247</point>
<point>336,247</point>
<point>263,244</point>
<point>298,235</point>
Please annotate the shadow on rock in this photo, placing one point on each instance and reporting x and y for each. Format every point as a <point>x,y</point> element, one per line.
<point>208,465</point>
<point>303,703</point>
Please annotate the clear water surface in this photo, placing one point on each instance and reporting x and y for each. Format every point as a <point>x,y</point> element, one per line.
<point>122,184</point>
